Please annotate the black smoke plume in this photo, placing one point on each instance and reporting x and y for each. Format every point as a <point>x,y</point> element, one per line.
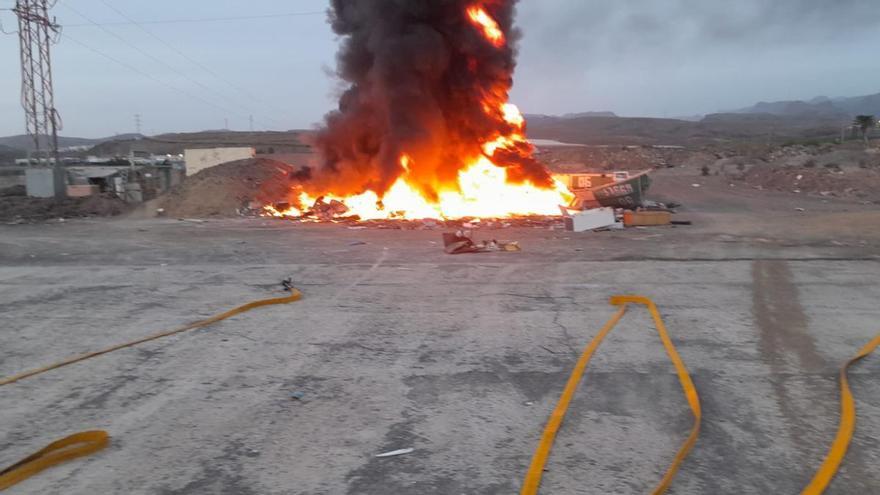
<point>424,82</point>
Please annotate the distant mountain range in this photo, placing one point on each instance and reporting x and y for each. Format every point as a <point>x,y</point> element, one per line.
<point>25,143</point>
<point>536,116</point>
<point>819,106</point>
<point>818,118</point>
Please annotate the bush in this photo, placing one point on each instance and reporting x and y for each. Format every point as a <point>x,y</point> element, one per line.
<point>810,163</point>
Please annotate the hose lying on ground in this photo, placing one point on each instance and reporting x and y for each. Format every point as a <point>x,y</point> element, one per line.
<point>87,442</point>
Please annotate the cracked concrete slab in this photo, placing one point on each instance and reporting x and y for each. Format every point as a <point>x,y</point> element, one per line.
<point>462,358</point>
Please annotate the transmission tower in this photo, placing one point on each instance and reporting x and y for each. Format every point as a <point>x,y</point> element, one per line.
<point>137,123</point>
<point>36,33</point>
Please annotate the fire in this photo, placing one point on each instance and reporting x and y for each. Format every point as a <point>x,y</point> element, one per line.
<point>483,191</point>
<point>487,24</point>
<point>433,138</point>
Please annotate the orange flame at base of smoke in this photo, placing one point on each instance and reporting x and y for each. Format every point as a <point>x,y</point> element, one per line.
<point>482,189</point>
<point>483,192</point>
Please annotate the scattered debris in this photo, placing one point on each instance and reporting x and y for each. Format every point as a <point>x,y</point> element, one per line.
<point>849,182</point>
<point>642,218</point>
<point>395,452</point>
<point>657,206</point>
<point>596,218</point>
<point>681,222</point>
<point>460,242</point>
<point>287,284</point>
<point>297,395</point>
<point>800,209</point>
<point>19,209</point>
<point>357,243</point>
<point>327,211</point>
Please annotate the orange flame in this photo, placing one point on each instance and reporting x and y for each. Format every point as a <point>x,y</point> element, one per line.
<point>480,18</point>
<point>482,190</point>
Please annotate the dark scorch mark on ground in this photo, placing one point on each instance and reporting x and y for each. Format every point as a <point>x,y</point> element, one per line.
<point>785,345</point>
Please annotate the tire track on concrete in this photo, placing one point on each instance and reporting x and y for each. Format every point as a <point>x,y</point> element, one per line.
<point>785,344</point>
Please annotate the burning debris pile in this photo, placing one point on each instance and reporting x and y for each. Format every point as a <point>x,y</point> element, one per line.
<point>425,129</point>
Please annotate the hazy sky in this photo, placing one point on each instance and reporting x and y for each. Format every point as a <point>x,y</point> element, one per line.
<point>635,58</point>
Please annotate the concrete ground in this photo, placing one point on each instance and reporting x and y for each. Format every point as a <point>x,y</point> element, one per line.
<point>462,358</point>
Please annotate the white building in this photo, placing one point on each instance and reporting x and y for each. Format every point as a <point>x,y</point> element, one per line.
<point>200,159</point>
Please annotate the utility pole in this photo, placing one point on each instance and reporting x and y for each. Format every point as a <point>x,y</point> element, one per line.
<point>137,122</point>
<point>36,34</point>
<point>251,120</point>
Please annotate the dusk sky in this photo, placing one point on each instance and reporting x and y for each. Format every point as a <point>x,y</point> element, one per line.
<point>274,60</point>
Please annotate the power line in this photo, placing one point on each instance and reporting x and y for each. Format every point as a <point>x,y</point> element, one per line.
<point>151,56</point>
<point>203,19</point>
<point>146,75</point>
<point>185,56</point>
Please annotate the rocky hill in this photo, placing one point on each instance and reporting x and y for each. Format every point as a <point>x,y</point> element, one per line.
<point>819,106</point>
<point>175,143</point>
<point>715,128</point>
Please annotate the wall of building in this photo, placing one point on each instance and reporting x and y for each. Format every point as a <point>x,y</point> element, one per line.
<point>40,182</point>
<point>200,159</point>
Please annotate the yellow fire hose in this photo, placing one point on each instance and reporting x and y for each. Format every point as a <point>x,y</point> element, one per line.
<point>845,430</point>
<point>536,469</point>
<point>87,442</point>
<point>817,485</point>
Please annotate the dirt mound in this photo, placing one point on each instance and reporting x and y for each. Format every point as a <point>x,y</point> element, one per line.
<point>18,190</point>
<point>831,170</point>
<point>863,184</point>
<point>224,190</point>
<point>22,209</point>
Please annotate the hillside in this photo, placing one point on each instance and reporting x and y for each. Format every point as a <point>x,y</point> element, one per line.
<point>8,154</point>
<point>819,106</point>
<point>24,142</point>
<point>175,143</point>
<point>715,128</point>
